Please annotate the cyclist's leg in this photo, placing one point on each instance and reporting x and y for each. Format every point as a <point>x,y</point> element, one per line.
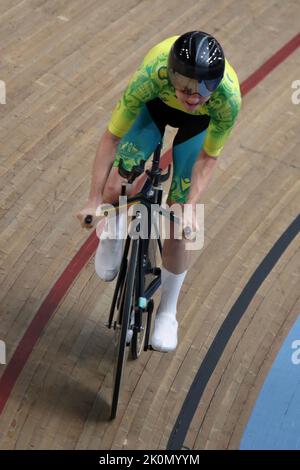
<point>185,153</point>
<point>140,141</point>
<point>175,262</point>
<point>136,145</point>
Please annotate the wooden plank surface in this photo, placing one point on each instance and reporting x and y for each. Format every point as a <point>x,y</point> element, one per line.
<point>65,64</point>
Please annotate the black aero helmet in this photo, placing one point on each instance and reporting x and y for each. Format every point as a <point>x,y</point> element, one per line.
<point>196,63</point>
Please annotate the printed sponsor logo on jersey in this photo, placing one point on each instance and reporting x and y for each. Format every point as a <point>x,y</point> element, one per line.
<point>185,183</point>
<point>163,73</point>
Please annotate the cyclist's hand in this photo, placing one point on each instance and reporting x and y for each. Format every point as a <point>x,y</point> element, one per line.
<point>190,224</point>
<point>87,215</point>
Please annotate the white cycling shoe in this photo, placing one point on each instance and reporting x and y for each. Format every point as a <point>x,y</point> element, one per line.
<point>108,258</point>
<point>164,336</point>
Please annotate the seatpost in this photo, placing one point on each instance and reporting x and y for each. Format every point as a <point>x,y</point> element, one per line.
<point>156,157</point>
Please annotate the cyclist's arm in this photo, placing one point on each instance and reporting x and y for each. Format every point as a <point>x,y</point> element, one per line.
<point>223,110</point>
<point>143,87</point>
<point>201,175</point>
<point>102,165</point>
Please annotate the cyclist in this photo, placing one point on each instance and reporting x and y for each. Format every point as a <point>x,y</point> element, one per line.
<point>185,82</point>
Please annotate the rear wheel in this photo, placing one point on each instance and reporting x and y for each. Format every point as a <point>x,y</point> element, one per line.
<point>143,313</point>
<point>138,337</point>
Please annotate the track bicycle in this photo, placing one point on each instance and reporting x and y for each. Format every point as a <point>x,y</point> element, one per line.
<point>139,276</point>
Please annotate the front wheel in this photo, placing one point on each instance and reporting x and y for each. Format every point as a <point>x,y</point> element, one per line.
<point>122,325</point>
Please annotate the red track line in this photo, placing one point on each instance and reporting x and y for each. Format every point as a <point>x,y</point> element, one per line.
<point>61,287</point>
<point>270,65</point>
<point>42,317</point>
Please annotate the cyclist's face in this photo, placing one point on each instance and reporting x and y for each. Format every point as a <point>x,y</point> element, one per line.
<point>190,101</point>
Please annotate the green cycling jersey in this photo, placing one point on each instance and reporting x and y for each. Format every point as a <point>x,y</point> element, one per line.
<point>151,81</point>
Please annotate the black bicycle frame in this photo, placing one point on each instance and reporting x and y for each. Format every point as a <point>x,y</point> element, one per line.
<point>151,193</point>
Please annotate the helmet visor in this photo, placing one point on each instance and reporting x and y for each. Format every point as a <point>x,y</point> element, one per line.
<point>191,85</point>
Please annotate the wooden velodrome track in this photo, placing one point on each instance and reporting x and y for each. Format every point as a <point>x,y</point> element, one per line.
<point>65,64</point>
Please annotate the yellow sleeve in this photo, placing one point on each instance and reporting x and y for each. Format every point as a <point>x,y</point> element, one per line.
<point>224,106</point>
<point>150,79</point>
<point>142,87</point>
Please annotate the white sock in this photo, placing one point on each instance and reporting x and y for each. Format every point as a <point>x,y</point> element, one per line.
<point>170,288</point>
